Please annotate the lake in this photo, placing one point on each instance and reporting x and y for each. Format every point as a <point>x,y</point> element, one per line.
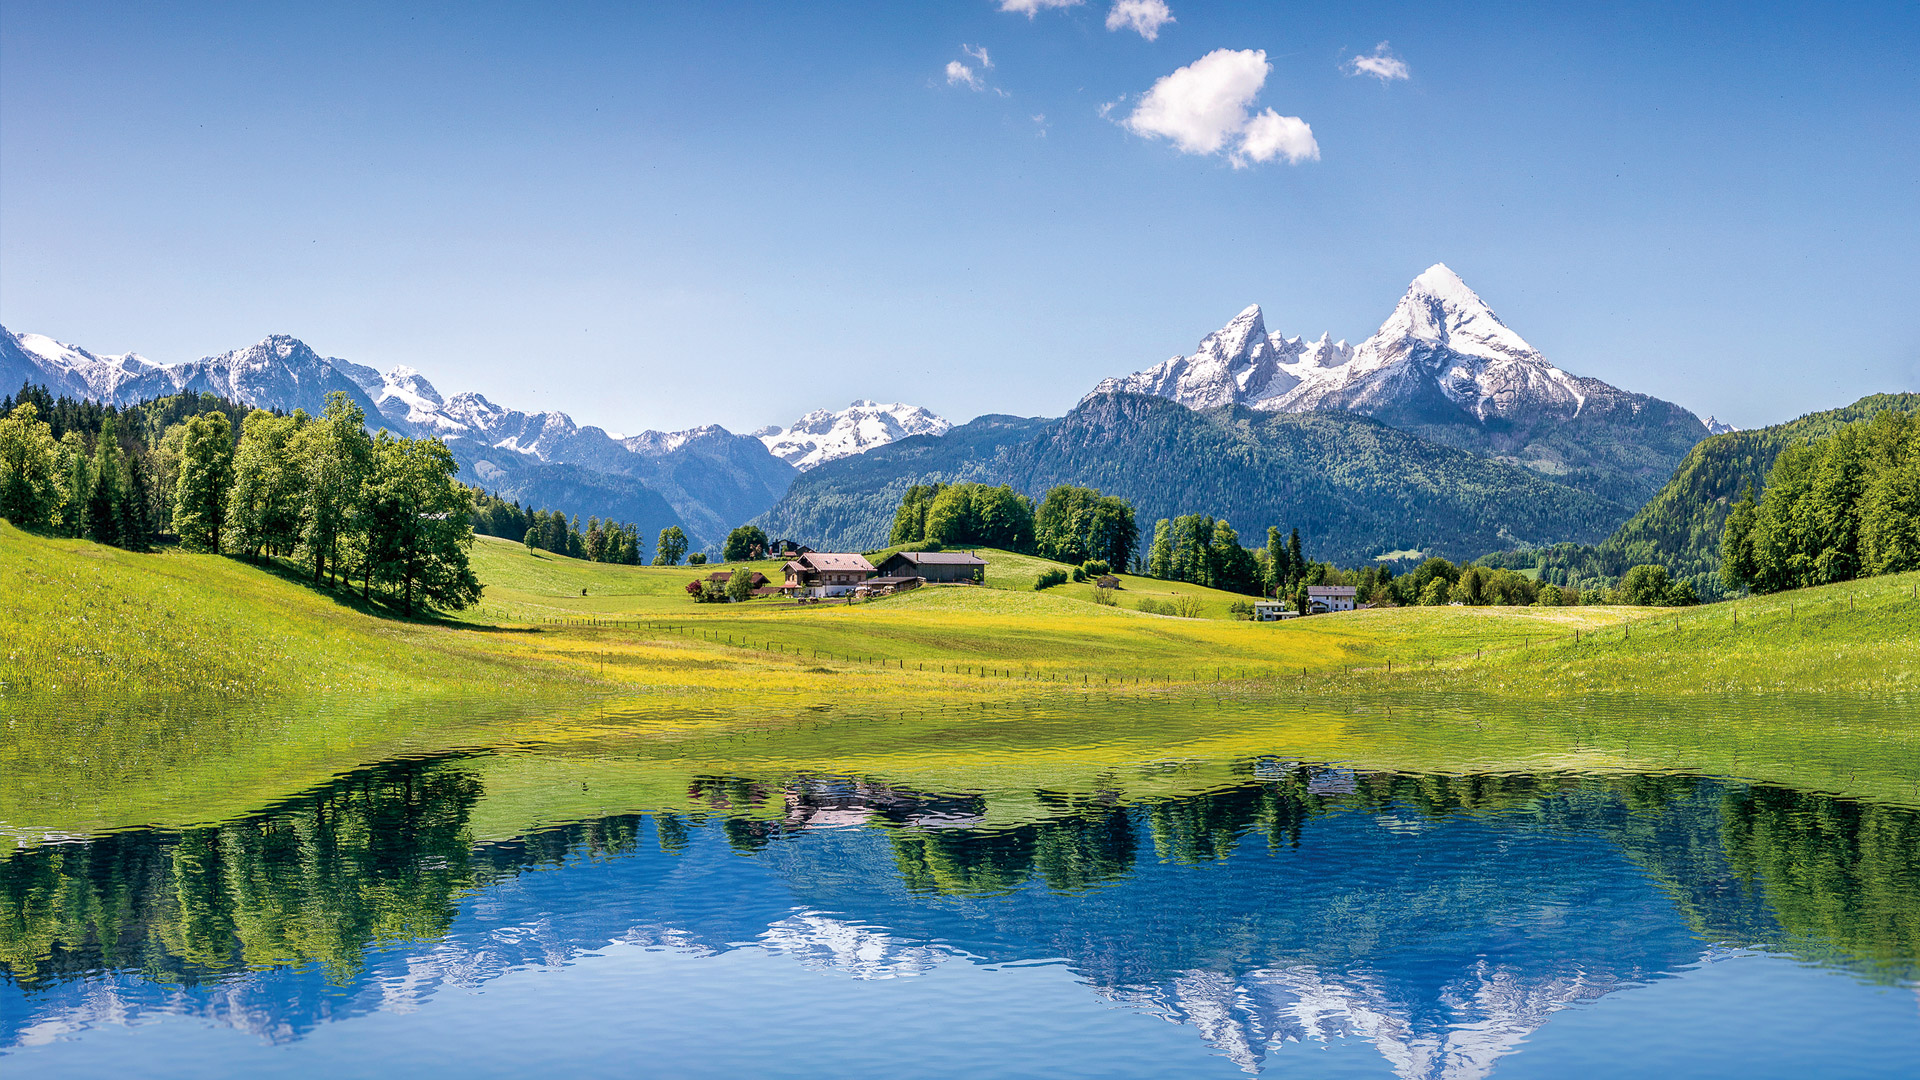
<point>1065,886</point>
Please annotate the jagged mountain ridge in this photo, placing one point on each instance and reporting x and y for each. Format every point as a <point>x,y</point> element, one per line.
<point>278,372</point>
<point>1442,365</point>
<point>824,435</point>
<point>705,479</point>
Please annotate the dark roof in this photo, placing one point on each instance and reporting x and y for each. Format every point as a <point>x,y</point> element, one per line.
<point>941,558</point>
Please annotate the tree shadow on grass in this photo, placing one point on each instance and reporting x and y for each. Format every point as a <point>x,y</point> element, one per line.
<point>375,605</point>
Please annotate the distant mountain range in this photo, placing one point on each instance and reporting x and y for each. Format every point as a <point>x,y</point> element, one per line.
<point>704,479</point>
<point>822,436</point>
<point>1443,432</point>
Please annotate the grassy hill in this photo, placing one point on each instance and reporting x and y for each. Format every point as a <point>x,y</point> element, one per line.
<point>97,621</point>
<point>81,617</point>
<point>1856,637</point>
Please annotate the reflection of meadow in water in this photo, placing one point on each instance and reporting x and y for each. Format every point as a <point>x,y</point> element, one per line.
<point>1440,917</point>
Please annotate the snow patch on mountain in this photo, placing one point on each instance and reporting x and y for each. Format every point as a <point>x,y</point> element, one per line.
<point>824,435</point>
<point>1715,427</point>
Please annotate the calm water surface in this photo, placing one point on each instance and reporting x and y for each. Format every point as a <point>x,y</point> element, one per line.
<point>1153,896</point>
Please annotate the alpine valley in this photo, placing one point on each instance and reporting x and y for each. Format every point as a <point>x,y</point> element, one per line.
<point>1443,433</point>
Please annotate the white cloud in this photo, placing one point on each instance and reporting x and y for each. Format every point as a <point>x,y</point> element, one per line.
<point>1270,135</point>
<point>959,74</point>
<point>1030,8</point>
<point>1203,109</point>
<point>1381,64</point>
<point>979,53</point>
<point>1145,17</point>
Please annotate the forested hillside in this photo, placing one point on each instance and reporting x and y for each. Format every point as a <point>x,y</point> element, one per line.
<point>1680,526</point>
<point>706,484</point>
<point>1621,447</point>
<point>1354,487</point>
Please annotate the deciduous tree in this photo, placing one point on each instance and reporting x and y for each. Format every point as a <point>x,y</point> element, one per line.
<point>206,476</point>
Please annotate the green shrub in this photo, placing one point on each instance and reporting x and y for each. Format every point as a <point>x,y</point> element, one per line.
<point>1049,579</point>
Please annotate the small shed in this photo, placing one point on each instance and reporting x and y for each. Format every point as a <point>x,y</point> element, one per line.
<point>935,566</point>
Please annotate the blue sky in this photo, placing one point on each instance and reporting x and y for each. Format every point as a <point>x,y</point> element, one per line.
<point>663,215</point>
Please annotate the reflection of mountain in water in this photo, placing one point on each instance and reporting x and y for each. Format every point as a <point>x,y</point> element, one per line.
<point>1441,919</point>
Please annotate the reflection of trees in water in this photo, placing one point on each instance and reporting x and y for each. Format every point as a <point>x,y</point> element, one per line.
<point>1843,877</point>
<point>1090,843</point>
<point>386,855</point>
<point>379,856</point>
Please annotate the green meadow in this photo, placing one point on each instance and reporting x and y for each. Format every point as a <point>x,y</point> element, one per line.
<point>176,688</point>
<point>83,618</point>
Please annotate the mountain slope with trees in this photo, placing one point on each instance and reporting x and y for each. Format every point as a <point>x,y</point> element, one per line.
<point>1356,488</point>
<point>1681,526</point>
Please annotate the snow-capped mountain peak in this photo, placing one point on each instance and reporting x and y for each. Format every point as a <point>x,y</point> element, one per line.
<point>823,435</point>
<point>1441,353</point>
<point>1245,335</point>
<point>1440,309</point>
<point>404,394</point>
<point>1716,427</point>
<point>102,375</point>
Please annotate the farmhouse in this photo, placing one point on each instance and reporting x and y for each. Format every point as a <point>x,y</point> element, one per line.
<point>1324,598</point>
<point>1272,611</point>
<point>721,577</point>
<point>826,573</point>
<point>935,566</point>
